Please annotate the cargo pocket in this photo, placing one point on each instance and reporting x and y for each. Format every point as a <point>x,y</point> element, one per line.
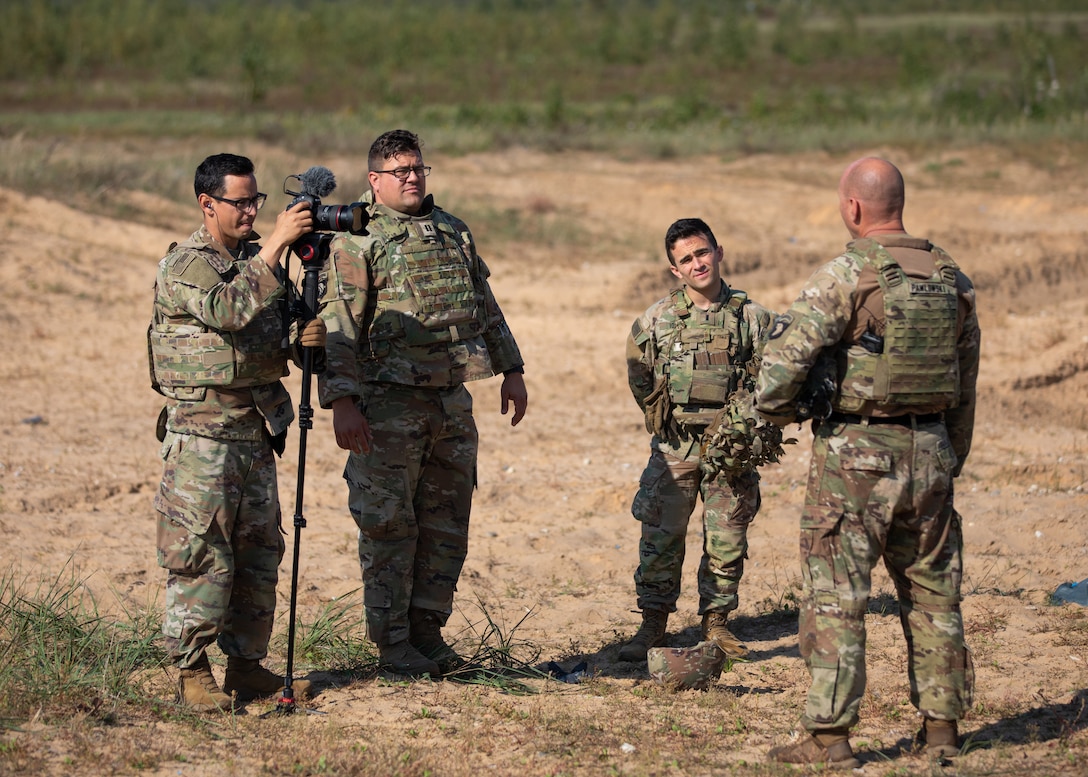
<point>192,488</point>
<point>821,520</point>
<point>646,506</point>
<point>860,469</point>
<point>380,502</point>
<point>821,545</point>
<point>181,551</point>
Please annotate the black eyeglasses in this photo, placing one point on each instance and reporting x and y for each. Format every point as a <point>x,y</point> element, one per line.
<point>246,203</point>
<point>402,173</point>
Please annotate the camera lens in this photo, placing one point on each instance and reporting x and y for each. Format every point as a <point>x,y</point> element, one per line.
<point>341,218</point>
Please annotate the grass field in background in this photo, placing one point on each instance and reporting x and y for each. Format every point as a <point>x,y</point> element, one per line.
<point>664,78</point>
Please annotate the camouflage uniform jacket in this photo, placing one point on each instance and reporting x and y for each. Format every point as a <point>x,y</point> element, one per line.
<point>201,288</point>
<point>409,303</point>
<point>657,332</point>
<point>839,303</point>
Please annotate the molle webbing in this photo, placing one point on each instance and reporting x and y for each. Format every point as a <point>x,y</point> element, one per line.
<point>918,366</point>
<point>704,359</point>
<point>431,297</point>
<point>188,360</point>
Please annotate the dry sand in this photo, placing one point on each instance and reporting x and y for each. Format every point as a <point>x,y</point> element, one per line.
<point>552,534</point>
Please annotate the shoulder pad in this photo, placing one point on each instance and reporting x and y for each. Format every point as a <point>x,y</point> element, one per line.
<point>448,218</point>
<point>638,334</point>
<point>386,229</point>
<point>678,302</point>
<point>946,265</point>
<point>942,258</point>
<point>862,245</point>
<point>195,268</point>
<point>869,251</point>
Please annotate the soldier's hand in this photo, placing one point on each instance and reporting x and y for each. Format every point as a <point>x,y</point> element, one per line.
<point>350,426</point>
<point>513,390</point>
<point>292,224</point>
<point>313,334</point>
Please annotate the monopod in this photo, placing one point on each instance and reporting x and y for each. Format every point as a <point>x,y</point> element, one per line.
<point>312,250</point>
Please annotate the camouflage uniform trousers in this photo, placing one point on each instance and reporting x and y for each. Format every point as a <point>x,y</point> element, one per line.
<point>881,491</point>
<point>219,537</point>
<point>411,496</point>
<point>666,497</point>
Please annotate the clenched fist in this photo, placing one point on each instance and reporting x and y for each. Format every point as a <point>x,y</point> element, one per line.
<point>313,334</point>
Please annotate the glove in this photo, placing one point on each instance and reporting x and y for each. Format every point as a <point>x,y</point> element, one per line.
<point>658,409</point>
<point>313,334</point>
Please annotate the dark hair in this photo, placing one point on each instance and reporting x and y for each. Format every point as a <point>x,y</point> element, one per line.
<point>391,143</point>
<point>212,171</point>
<point>685,228</point>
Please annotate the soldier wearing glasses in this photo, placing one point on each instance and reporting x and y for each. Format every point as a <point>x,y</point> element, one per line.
<point>411,318</point>
<point>218,348</point>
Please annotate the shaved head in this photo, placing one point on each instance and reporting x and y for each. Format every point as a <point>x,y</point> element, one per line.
<point>871,194</point>
<point>877,183</point>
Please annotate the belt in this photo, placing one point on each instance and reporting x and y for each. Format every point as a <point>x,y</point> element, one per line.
<point>910,419</point>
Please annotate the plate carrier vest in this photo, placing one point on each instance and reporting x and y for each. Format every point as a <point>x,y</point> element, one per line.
<point>704,364</point>
<point>918,366</point>
<point>431,297</point>
<point>184,364</point>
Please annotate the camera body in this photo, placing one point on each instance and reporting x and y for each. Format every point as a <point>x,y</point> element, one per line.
<point>315,183</point>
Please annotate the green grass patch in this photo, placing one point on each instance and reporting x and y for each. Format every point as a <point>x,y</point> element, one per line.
<point>60,656</point>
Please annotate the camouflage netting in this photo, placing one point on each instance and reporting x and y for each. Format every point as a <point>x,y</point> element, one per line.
<point>738,440</point>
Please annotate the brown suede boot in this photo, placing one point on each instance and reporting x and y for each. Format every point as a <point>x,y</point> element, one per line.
<point>425,635</point>
<point>402,659</point>
<point>650,634</point>
<point>830,747</point>
<point>249,680</point>
<point>714,630</point>
<point>940,738</point>
<point>198,690</point>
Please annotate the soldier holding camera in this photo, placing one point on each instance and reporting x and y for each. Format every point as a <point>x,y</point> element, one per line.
<point>218,348</point>
<point>411,318</point>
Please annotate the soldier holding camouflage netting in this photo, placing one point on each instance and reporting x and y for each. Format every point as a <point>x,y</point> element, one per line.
<point>895,318</point>
<point>690,359</point>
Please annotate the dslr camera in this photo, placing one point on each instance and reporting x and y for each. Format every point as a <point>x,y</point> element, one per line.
<point>315,183</point>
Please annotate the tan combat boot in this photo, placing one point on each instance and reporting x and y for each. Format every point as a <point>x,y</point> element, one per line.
<point>940,738</point>
<point>249,680</point>
<point>198,690</point>
<point>830,747</point>
<point>714,630</point>
<point>401,658</point>
<point>425,635</point>
<point>650,634</point>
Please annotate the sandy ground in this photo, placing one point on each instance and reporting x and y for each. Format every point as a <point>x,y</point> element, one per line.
<point>552,533</point>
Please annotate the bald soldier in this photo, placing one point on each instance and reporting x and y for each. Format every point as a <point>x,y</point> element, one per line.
<point>895,319</point>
